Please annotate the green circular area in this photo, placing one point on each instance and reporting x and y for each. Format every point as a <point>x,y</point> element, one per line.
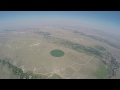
<point>57,53</point>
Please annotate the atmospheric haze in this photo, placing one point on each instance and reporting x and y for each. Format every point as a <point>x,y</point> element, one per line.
<point>59,44</point>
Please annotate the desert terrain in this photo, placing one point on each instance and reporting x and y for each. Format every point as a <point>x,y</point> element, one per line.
<point>88,54</point>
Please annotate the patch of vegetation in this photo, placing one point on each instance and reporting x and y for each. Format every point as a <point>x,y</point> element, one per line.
<point>114,65</point>
<point>93,51</point>
<point>98,39</point>
<point>43,33</point>
<point>104,62</point>
<point>100,48</point>
<point>38,76</point>
<point>104,41</point>
<point>77,32</point>
<point>113,45</point>
<point>90,51</point>
<point>114,62</point>
<point>80,48</point>
<point>57,53</point>
<point>74,46</point>
<point>17,71</point>
<point>108,53</point>
<point>101,73</point>
<point>19,74</point>
<point>55,76</point>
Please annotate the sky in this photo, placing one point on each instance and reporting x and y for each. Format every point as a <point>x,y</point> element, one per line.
<point>104,20</point>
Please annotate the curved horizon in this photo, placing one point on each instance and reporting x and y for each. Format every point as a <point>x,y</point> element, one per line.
<point>104,20</point>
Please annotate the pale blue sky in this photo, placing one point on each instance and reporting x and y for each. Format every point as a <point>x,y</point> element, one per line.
<point>96,19</point>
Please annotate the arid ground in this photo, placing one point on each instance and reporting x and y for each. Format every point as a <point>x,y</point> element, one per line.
<point>88,54</point>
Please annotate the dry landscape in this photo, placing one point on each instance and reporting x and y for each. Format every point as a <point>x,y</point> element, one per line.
<point>88,54</point>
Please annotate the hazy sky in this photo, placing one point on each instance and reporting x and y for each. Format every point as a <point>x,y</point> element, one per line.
<point>106,20</point>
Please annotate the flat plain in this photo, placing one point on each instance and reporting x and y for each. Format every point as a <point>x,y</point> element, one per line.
<point>29,50</point>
